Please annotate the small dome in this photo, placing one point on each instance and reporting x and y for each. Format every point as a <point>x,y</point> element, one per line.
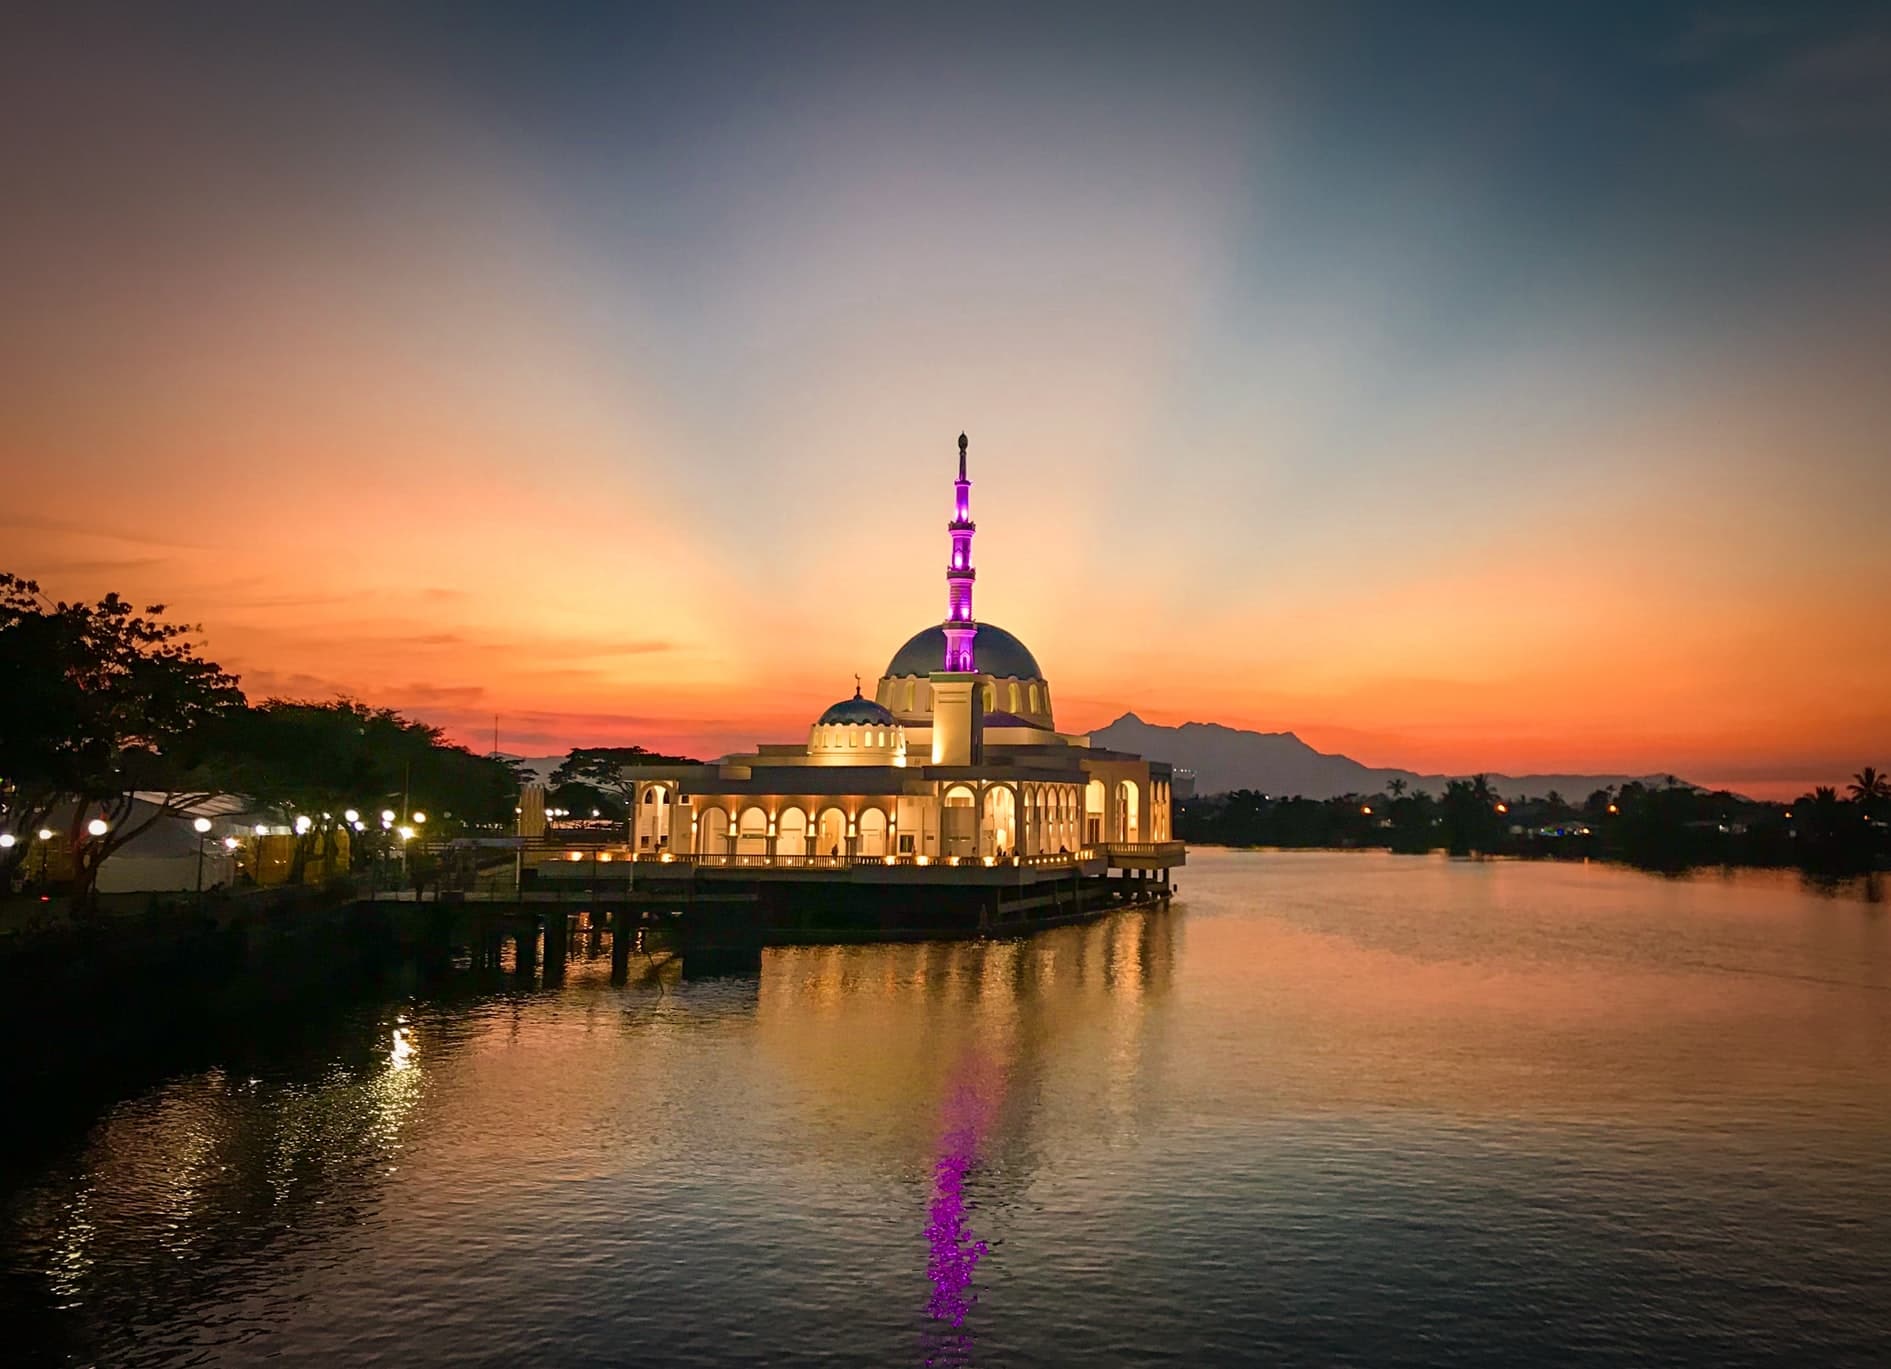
<point>857,710</point>
<point>996,651</point>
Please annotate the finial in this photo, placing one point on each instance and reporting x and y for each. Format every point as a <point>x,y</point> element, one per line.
<point>963,443</point>
<point>856,686</point>
<point>962,446</point>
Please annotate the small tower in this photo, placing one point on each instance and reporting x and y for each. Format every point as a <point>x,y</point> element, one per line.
<point>960,627</point>
<point>957,720</point>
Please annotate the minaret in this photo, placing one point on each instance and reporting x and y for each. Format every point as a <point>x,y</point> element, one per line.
<point>957,719</point>
<point>960,627</point>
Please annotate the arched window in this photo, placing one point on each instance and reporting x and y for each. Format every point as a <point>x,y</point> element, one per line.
<point>909,696</point>
<point>793,829</point>
<point>1034,707</point>
<point>1014,701</point>
<point>991,699</point>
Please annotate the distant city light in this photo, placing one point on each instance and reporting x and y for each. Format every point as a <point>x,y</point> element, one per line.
<point>302,824</point>
<point>261,830</point>
<point>407,834</point>
<point>230,843</point>
<point>1366,808</point>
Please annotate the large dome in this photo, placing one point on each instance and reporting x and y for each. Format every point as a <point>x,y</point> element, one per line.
<point>997,652</point>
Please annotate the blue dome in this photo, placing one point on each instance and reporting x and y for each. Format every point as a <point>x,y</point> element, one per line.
<point>858,710</point>
<point>996,651</point>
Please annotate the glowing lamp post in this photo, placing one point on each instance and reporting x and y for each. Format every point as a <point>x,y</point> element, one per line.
<point>201,826</point>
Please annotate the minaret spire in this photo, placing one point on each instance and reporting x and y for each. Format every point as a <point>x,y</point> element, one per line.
<point>960,627</point>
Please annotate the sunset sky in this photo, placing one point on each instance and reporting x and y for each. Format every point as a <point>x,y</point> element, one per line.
<point>1460,389</point>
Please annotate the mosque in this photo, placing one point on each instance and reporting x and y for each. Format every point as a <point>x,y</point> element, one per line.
<point>955,759</point>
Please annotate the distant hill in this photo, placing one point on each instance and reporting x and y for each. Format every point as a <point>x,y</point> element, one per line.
<point>1225,758</point>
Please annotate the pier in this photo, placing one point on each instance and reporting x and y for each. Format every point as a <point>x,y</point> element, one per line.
<point>720,911</point>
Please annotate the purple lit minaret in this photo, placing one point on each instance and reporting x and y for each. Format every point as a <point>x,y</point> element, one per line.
<point>960,626</point>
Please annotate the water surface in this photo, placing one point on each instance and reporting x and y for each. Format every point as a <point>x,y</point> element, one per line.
<point>1329,1108</point>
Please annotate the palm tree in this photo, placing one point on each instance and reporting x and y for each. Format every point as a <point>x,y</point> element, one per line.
<point>1396,788</point>
<point>1869,784</point>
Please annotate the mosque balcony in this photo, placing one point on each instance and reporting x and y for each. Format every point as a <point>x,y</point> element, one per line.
<point>560,863</point>
<point>556,869</point>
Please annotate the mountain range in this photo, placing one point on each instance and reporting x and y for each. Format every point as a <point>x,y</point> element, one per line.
<point>1226,758</point>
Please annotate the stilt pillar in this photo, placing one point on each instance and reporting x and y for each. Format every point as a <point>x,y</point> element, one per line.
<point>622,938</point>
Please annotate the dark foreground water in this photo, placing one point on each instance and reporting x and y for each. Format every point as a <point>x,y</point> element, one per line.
<point>1329,1109</point>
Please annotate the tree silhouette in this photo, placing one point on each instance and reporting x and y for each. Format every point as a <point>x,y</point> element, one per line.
<point>107,706</point>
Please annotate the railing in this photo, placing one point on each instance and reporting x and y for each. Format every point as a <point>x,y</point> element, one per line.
<point>1144,848</point>
<point>580,864</point>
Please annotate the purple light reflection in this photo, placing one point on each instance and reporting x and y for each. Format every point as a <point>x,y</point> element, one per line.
<point>953,1250</point>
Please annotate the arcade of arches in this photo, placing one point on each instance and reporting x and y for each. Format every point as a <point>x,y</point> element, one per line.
<point>1019,816</point>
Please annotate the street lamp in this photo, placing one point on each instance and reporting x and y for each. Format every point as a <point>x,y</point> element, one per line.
<point>7,840</point>
<point>420,819</point>
<point>202,828</point>
<point>387,817</point>
<point>352,818</point>
<point>98,827</point>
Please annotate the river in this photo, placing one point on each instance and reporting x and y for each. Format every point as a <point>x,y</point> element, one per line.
<point>1329,1108</point>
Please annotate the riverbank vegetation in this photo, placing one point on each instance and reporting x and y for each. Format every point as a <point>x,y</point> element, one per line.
<point>114,723</point>
<point>1666,826</point>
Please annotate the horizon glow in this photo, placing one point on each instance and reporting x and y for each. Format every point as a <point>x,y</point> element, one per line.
<point>1460,395</point>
